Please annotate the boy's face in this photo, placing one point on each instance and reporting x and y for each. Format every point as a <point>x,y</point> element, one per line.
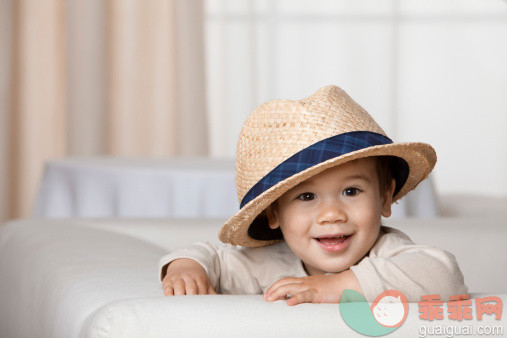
<point>331,220</point>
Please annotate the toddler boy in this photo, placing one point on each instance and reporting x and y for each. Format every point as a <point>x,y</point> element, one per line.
<point>314,178</point>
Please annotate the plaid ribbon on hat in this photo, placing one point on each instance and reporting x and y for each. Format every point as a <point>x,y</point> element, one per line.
<point>316,153</point>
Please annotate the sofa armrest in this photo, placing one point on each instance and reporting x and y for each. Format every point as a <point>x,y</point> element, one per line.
<point>241,316</point>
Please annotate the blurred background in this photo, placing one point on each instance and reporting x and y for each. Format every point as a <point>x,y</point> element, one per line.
<point>164,78</point>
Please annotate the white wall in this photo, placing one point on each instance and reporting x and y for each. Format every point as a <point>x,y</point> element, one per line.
<point>431,71</point>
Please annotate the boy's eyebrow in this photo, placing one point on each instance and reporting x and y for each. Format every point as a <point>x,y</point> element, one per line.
<point>350,177</point>
<point>358,176</point>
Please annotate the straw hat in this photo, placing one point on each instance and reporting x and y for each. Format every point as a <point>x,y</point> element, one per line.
<point>285,142</point>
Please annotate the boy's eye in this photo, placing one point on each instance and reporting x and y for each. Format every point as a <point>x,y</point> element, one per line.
<point>307,196</point>
<point>350,192</point>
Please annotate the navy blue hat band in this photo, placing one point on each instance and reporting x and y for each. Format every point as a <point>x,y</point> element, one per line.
<point>317,153</point>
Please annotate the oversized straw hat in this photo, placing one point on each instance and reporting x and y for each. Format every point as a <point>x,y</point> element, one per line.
<point>285,142</point>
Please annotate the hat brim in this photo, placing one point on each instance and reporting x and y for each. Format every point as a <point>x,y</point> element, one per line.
<point>420,157</point>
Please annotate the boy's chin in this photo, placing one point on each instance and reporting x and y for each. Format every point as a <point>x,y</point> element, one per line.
<point>332,268</point>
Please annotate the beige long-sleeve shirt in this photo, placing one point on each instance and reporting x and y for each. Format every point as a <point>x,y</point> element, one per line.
<point>394,262</point>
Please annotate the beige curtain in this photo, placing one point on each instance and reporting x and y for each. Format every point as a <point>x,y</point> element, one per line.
<point>117,77</point>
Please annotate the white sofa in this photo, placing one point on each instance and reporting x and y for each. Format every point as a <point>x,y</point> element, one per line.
<point>98,278</point>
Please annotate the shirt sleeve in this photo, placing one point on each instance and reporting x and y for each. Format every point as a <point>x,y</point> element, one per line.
<point>395,262</point>
<point>237,270</point>
<point>225,266</point>
<point>205,254</point>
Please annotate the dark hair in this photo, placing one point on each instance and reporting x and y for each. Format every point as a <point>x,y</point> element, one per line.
<point>384,173</point>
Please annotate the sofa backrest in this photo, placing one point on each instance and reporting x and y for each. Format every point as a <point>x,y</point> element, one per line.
<point>479,244</point>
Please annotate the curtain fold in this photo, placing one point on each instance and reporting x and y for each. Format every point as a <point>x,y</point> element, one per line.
<point>142,77</point>
<point>87,78</point>
<point>6,9</point>
<point>38,95</point>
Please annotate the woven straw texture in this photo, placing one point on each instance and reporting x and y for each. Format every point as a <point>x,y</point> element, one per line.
<point>278,129</point>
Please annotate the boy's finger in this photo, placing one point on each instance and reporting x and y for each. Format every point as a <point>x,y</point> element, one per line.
<point>283,291</point>
<point>202,287</point>
<point>306,296</point>
<point>273,293</point>
<point>281,282</point>
<point>179,287</point>
<point>166,282</point>
<point>211,290</point>
<point>166,285</point>
<point>168,291</point>
<point>191,287</point>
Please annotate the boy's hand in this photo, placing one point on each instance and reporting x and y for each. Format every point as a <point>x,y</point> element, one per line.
<point>313,289</point>
<point>186,277</point>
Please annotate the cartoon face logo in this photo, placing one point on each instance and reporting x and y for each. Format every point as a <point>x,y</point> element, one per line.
<point>390,308</point>
<point>385,315</point>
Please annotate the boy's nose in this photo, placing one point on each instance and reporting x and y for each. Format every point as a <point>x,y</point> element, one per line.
<point>331,212</point>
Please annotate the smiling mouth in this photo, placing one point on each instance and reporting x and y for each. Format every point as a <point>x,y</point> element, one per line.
<point>333,243</point>
<point>333,240</point>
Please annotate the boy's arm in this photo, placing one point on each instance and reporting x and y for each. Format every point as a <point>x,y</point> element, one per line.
<point>313,289</point>
<point>394,263</point>
<point>230,270</point>
<point>415,270</point>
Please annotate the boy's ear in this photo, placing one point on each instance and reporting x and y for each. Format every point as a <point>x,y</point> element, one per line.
<point>387,200</point>
<point>272,217</point>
